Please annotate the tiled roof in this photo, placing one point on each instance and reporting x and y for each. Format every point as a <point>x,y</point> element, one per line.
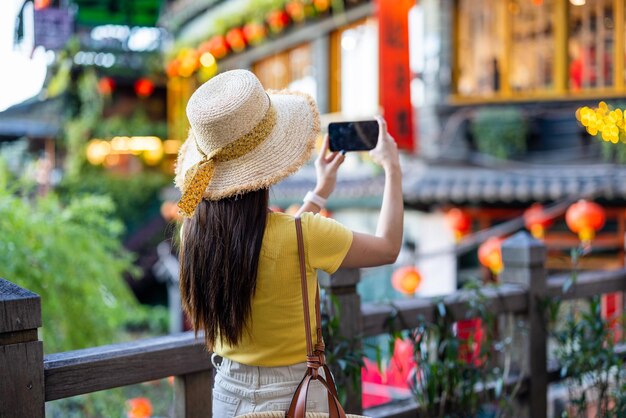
<point>471,185</point>
<point>425,185</point>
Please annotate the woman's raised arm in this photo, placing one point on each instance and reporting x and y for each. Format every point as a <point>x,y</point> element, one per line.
<point>383,247</point>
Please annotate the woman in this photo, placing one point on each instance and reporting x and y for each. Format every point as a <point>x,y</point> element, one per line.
<point>239,265</point>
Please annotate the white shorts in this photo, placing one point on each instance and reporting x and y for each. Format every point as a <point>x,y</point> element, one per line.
<point>241,389</point>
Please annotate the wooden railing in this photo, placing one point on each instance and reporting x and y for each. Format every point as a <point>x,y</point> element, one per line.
<point>28,379</point>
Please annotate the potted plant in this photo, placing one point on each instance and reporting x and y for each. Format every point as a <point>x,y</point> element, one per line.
<point>499,132</point>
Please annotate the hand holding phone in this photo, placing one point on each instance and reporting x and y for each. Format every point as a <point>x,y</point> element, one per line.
<point>353,136</point>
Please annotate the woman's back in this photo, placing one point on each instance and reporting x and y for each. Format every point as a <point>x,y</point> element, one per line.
<point>275,335</point>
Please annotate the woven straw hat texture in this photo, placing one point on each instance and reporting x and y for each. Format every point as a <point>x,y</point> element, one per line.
<point>231,105</point>
<point>280,414</point>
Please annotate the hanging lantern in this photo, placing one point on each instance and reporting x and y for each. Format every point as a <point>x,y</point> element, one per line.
<point>106,85</point>
<point>172,68</point>
<point>144,87</point>
<point>536,220</point>
<point>295,10</point>
<point>490,255</point>
<point>236,40</point>
<point>326,213</point>
<point>321,5</point>
<point>459,221</point>
<point>277,20</point>
<point>189,62</point>
<point>217,46</point>
<point>406,280</point>
<point>254,33</point>
<point>585,219</point>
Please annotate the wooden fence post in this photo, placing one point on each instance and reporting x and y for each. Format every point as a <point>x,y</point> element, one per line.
<point>21,353</point>
<point>342,288</point>
<point>524,262</point>
<point>193,395</point>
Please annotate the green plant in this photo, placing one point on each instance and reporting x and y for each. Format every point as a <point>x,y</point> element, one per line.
<point>585,350</point>
<point>134,197</point>
<point>344,355</point>
<point>458,376</point>
<point>72,257</point>
<point>500,132</point>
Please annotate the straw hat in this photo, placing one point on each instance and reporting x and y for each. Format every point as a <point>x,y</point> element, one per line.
<point>242,138</point>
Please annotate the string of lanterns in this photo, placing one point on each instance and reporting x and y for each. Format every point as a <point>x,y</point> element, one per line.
<point>584,218</point>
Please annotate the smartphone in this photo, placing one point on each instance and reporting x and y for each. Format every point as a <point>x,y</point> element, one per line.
<point>353,136</point>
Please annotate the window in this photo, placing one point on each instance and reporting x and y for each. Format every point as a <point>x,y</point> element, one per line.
<point>354,70</point>
<point>478,47</point>
<point>532,45</point>
<point>291,69</point>
<point>513,48</point>
<point>590,45</point>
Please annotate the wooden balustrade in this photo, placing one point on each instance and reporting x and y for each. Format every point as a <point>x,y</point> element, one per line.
<point>28,379</point>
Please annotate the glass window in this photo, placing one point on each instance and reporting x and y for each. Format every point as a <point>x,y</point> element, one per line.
<point>532,45</point>
<point>291,69</point>
<point>590,44</point>
<point>478,47</point>
<point>359,69</point>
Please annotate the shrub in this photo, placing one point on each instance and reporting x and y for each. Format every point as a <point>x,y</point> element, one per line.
<point>72,257</point>
<point>499,132</point>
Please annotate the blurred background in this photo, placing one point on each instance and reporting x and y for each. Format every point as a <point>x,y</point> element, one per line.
<point>507,113</point>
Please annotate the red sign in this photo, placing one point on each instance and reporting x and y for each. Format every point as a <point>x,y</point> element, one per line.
<point>395,73</point>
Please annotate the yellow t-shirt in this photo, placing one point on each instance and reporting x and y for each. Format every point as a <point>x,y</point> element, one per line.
<point>276,328</point>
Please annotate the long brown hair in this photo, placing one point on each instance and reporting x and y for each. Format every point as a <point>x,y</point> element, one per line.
<point>219,255</point>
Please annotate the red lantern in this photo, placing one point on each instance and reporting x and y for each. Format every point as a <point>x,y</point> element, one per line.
<point>490,255</point>
<point>585,219</point>
<point>406,280</point>
<point>254,32</point>
<point>217,46</point>
<point>295,10</point>
<point>236,40</point>
<point>106,85</point>
<point>459,221</point>
<point>277,20</point>
<point>536,220</point>
<point>144,87</point>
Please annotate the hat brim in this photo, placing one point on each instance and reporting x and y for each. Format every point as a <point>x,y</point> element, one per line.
<point>282,153</point>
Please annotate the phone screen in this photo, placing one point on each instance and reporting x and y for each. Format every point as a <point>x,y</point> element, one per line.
<point>353,136</point>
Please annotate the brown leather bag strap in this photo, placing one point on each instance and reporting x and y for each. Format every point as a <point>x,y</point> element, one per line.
<point>305,288</point>
<point>315,357</point>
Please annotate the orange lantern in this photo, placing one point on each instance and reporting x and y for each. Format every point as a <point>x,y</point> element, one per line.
<point>254,32</point>
<point>321,5</point>
<point>144,87</point>
<point>106,85</point>
<point>277,20</point>
<point>172,68</point>
<point>585,219</point>
<point>536,220</point>
<point>459,221</point>
<point>139,408</point>
<point>406,280</point>
<point>326,213</point>
<point>490,255</point>
<point>295,10</point>
<point>217,46</point>
<point>236,40</point>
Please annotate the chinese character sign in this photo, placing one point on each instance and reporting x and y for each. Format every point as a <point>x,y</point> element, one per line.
<point>395,74</point>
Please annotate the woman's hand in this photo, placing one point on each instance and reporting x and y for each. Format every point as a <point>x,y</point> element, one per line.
<point>326,167</point>
<point>386,152</point>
